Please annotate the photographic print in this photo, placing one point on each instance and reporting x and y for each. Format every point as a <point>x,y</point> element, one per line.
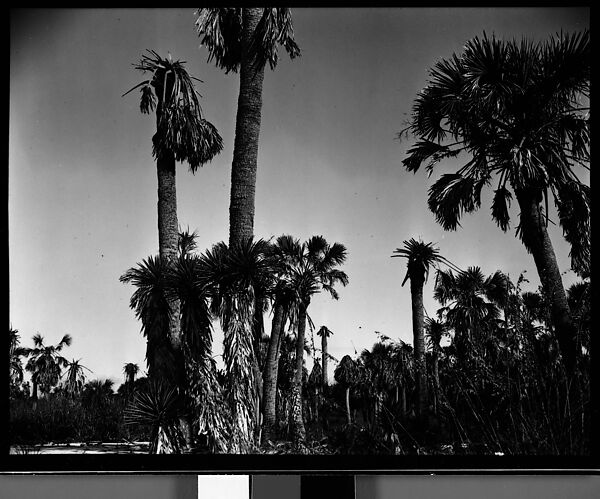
<point>299,239</point>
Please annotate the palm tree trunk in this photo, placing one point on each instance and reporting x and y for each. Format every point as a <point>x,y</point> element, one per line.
<point>536,240</point>
<point>298,431</point>
<point>271,371</point>
<point>403,401</point>
<point>348,405</point>
<point>167,243</point>
<point>247,129</point>
<point>436,381</point>
<point>416,290</point>
<point>168,235</point>
<point>258,330</point>
<point>34,394</point>
<point>324,358</point>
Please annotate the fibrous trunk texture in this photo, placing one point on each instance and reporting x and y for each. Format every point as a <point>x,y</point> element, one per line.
<point>298,431</point>
<point>247,129</point>
<point>536,240</point>
<point>324,359</point>
<point>167,244</point>
<point>416,289</point>
<point>271,371</point>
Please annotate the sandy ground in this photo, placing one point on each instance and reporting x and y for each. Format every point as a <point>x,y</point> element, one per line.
<point>84,448</point>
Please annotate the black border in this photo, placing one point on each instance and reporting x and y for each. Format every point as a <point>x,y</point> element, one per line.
<point>298,464</point>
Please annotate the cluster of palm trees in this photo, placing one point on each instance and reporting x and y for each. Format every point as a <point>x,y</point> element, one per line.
<point>50,371</point>
<point>60,403</point>
<point>517,110</point>
<point>235,286</point>
<point>492,372</point>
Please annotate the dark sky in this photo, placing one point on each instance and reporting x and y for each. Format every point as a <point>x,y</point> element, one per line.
<point>82,180</point>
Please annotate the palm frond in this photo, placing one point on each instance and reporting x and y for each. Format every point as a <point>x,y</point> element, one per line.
<point>451,196</point>
<point>500,206</point>
<point>573,201</point>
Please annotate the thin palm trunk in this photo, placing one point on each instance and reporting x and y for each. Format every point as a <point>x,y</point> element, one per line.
<point>416,290</point>
<point>436,379</point>
<point>247,129</point>
<point>34,395</point>
<point>536,239</point>
<point>403,401</point>
<point>298,431</point>
<point>271,371</point>
<point>348,405</point>
<point>324,358</point>
<point>258,330</point>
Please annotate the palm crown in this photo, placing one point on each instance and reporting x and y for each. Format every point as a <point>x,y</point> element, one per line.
<point>421,256</point>
<point>180,126</point>
<point>45,361</point>
<point>519,110</point>
<point>221,32</point>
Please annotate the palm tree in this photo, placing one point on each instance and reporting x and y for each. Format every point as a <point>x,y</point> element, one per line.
<point>379,375</point>
<point>202,411</point>
<point>314,388</point>
<point>16,351</point>
<point>520,110</point>
<point>420,257</point>
<point>324,333</point>
<point>346,374</point>
<point>130,371</point>
<point>182,134</point>
<point>470,303</point>
<point>244,40</point>
<point>45,363</point>
<point>75,377</point>
<point>151,302</point>
<point>283,253</point>
<point>233,274</point>
<point>315,270</point>
<point>186,242</point>
<point>194,376</point>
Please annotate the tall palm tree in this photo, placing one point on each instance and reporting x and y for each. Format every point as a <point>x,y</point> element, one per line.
<point>75,377</point>
<point>245,40</point>
<point>45,363</point>
<point>324,333</point>
<point>182,134</point>
<point>315,270</point>
<point>520,110</point>
<point>421,256</point>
